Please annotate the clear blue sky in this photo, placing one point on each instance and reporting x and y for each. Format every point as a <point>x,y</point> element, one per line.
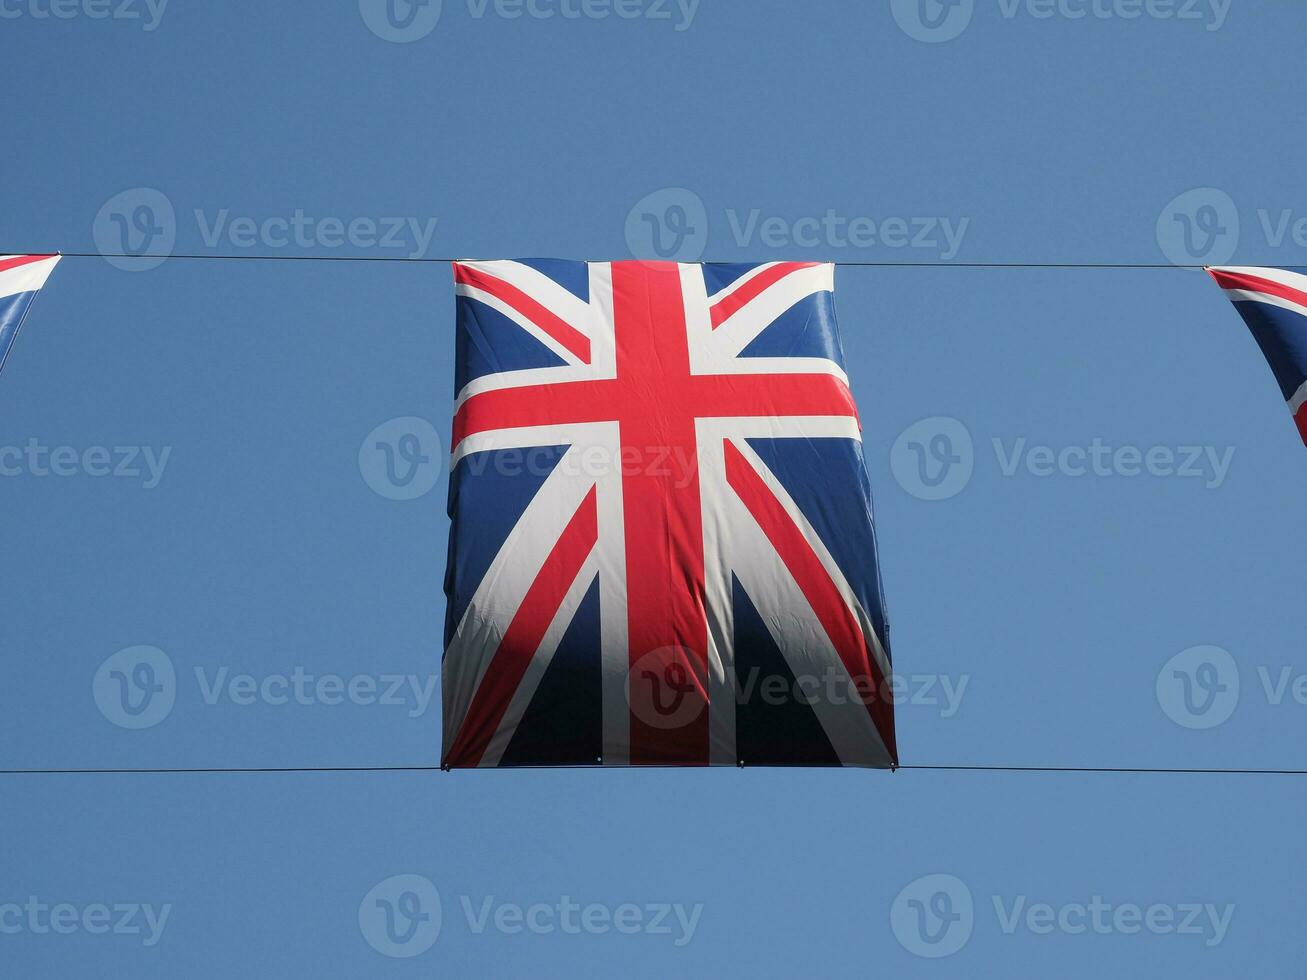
<point>261,548</point>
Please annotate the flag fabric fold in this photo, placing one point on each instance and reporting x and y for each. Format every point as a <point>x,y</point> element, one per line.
<point>21,278</point>
<point>662,549</point>
<point>1273,303</point>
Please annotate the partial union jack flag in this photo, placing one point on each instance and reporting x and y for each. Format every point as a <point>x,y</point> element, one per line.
<point>1273,302</point>
<point>21,278</point>
<point>662,549</point>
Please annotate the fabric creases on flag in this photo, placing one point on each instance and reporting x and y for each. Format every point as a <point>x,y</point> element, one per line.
<point>21,278</point>
<point>662,549</point>
<point>1273,302</point>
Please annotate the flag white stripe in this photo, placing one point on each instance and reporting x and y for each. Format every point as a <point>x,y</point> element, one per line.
<point>801,639</point>
<point>824,556</point>
<point>26,278</point>
<point>739,329</point>
<point>1294,280</point>
<point>1299,399</point>
<point>614,647</point>
<point>603,349</point>
<point>718,604</point>
<point>748,277</point>
<point>1251,296</point>
<point>540,661</point>
<point>495,303</point>
<point>501,591</point>
<point>565,304</point>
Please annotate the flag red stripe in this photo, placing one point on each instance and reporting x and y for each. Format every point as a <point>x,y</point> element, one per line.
<point>1301,418</point>
<point>14,261</point>
<point>662,518</point>
<point>544,318</point>
<point>524,634</point>
<point>712,396</point>
<point>836,618</point>
<point>724,308</point>
<point>1256,284</point>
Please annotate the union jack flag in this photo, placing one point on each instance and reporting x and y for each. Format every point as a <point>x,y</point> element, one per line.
<point>1273,302</point>
<point>662,549</point>
<point>21,277</point>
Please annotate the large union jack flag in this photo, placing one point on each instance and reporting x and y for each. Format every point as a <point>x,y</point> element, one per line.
<point>1273,302</point>
<point>662,549</point>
